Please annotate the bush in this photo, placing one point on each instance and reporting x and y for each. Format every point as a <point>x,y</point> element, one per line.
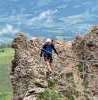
<point>52,83</point>
<point>80,67</point>
<point>71,98</point>
<point>50,94</point>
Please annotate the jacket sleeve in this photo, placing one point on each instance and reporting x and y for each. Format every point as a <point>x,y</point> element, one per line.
<point>54,49</point>
<point>41,53</point>
<point>42,50</point>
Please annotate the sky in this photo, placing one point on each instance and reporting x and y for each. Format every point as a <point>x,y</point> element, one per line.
<point>46,18</point>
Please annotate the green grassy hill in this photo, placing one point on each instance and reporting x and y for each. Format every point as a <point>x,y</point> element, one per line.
<point>6,55</point>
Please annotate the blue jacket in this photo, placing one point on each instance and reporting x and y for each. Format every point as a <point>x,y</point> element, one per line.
<point>47,49</point>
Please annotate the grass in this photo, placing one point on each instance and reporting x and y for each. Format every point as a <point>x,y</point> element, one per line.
<point>6,55</point>
<point>5,96</point>
<point>50,94</point>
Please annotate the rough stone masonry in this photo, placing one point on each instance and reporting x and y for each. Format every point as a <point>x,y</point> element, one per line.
<point>78,59</point>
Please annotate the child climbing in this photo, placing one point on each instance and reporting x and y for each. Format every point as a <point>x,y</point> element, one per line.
<point>46,52</point>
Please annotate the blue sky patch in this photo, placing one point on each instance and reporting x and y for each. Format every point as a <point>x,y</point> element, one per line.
<point>46,18</point>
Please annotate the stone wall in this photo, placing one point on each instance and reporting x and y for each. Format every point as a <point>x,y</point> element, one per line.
<point>29,72</point>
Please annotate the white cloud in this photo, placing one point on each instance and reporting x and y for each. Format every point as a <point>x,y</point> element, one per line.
<point>8,29</point>
<point>5,39</point>
<point>80,22</point>
<point>45,17</point>
<point>75,17</point>
<point>72,20</point>
<point>83,27</point>
<point>85,17</point>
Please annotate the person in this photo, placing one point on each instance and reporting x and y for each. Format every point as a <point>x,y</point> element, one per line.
<point>46,52</point>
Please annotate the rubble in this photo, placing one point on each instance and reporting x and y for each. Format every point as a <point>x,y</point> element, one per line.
<point>29,72</point>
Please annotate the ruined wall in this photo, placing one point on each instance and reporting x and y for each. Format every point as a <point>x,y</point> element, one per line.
<point>86,49</point>
<point>28,74</point>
